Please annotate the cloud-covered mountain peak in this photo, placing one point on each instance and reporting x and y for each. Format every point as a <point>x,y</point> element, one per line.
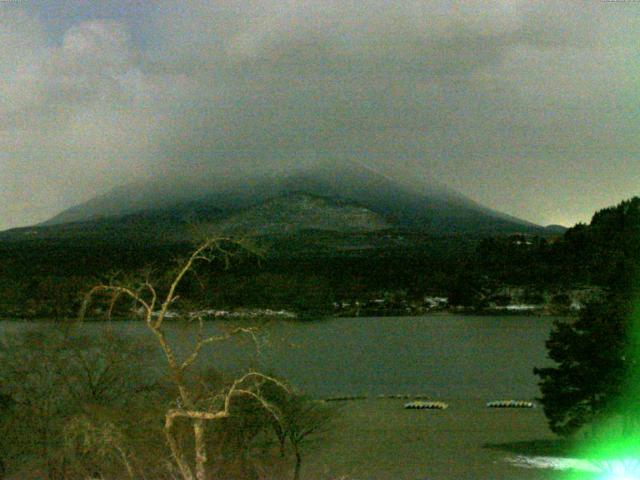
<point>431,206</point>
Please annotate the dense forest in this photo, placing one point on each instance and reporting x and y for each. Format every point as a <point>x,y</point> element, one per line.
<point>599,253</point>
<point>309,272</point>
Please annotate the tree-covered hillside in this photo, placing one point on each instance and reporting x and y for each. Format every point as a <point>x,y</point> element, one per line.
<point>599,253</point>
<point>309,271</point>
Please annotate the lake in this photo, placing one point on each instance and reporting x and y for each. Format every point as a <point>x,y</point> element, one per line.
<point>443,356</point>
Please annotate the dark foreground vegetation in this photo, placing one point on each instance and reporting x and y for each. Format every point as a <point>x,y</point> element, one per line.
<point>82,407</point>
<point>74,406</point>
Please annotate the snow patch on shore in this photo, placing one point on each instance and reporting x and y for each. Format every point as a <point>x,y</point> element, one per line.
<point>554,463</point>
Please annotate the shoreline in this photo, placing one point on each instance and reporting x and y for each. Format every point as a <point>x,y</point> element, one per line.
<point>305,318</point>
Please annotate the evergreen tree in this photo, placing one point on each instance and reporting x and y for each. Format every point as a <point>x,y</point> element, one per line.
<point>595,354</point>
<point>594,360</point>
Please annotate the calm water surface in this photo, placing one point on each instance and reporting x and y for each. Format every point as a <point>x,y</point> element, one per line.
<point>446,356</point>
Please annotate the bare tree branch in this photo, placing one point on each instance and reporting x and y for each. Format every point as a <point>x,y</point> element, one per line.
<point>145,295</point>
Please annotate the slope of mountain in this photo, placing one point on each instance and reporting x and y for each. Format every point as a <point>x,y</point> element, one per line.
<point>296,212</point>
<point>435,208</point>
<point>284,215</point>
<point>555,229</point>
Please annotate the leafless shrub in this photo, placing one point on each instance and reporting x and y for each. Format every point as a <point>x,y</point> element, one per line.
<point>196,410</point>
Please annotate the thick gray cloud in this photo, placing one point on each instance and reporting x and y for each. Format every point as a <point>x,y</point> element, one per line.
<point>528,107</point>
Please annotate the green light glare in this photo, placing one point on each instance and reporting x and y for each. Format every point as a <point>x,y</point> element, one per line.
<point>612,444</point>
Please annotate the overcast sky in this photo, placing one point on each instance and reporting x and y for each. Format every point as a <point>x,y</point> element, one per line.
<point>531,108</point>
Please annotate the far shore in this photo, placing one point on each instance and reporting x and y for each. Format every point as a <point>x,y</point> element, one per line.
<point>299,318</point>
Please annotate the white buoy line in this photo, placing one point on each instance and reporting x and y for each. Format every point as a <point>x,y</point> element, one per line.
<point>510,404</point>
<point>422,405</point>
<point>424,402</point>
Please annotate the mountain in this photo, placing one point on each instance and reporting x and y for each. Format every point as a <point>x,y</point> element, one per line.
<point>350,197</point>
<point>555,229</point>
<point>301,211</point>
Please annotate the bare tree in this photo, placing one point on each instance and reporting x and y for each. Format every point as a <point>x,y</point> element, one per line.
<point>305,418</point>
<point>82,434</point>
<point>302,420</point>
<point>154,308</point>
<point>50,375</point>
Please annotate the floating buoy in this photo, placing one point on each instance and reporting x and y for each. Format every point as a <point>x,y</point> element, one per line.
<point>401,396</point>
<point>345,398</point>
<point>422,405</point>
<point>510,404</point>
